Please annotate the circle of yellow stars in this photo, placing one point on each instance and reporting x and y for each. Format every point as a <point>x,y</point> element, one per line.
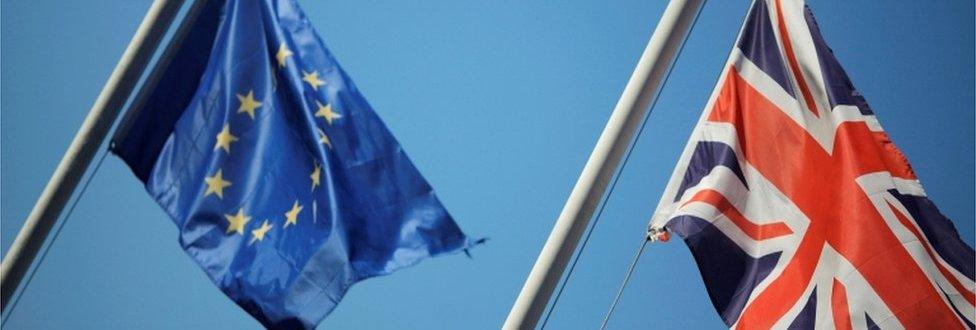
<point>249,105</point>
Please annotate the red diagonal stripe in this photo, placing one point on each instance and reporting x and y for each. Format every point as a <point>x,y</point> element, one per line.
<point>945,272</point>
<point>755,231</point>
<point>791,58</point>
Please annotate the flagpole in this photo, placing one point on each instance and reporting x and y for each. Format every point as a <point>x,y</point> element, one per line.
<point>85,145</point>
<point>642,88</point>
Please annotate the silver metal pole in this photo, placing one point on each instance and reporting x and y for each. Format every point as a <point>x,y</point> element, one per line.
<point>85,145</point>
<point>633,105</point>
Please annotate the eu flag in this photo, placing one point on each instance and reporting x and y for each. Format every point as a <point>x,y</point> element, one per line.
<point>285,185</point>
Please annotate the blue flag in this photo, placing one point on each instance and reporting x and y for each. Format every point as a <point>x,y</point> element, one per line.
<point>285,185</point>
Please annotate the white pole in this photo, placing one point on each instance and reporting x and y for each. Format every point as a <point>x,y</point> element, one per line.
<point>633,105</point>
<point>85,145</point>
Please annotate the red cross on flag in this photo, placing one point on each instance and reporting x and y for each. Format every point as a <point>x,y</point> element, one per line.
<point>798,208</point>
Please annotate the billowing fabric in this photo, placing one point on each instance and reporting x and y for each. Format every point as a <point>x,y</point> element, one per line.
<point>285,185</point>
<point>798,208</point>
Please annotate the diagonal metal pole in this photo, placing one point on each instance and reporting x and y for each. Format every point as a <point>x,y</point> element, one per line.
<point>633,105</point>
<point>85,145</point>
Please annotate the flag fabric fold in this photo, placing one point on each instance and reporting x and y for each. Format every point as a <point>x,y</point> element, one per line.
<point>797,206</point>
<point>285,185</point>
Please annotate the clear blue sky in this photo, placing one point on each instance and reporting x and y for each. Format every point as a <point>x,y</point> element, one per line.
<point>499,103</point>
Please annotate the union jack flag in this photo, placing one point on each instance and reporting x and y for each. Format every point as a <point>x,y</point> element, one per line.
<point>798,208</point>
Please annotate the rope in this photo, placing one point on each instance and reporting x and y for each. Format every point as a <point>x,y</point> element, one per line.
<point>620,292</point>
<point>613,185</point>
<point>57,232</point>
<point>599,214</point>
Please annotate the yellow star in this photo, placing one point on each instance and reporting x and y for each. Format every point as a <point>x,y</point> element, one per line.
<point>283,54</point>
<point>316,175</point>
<point>237,222</point>
<point>225,138</point>
<point>312,78</point>
<point>258,234</point>
<point>324,139</point>
<point>216,185</point>
<point>325,111</point>
<point>291,217</point>
<point>248,103</point>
